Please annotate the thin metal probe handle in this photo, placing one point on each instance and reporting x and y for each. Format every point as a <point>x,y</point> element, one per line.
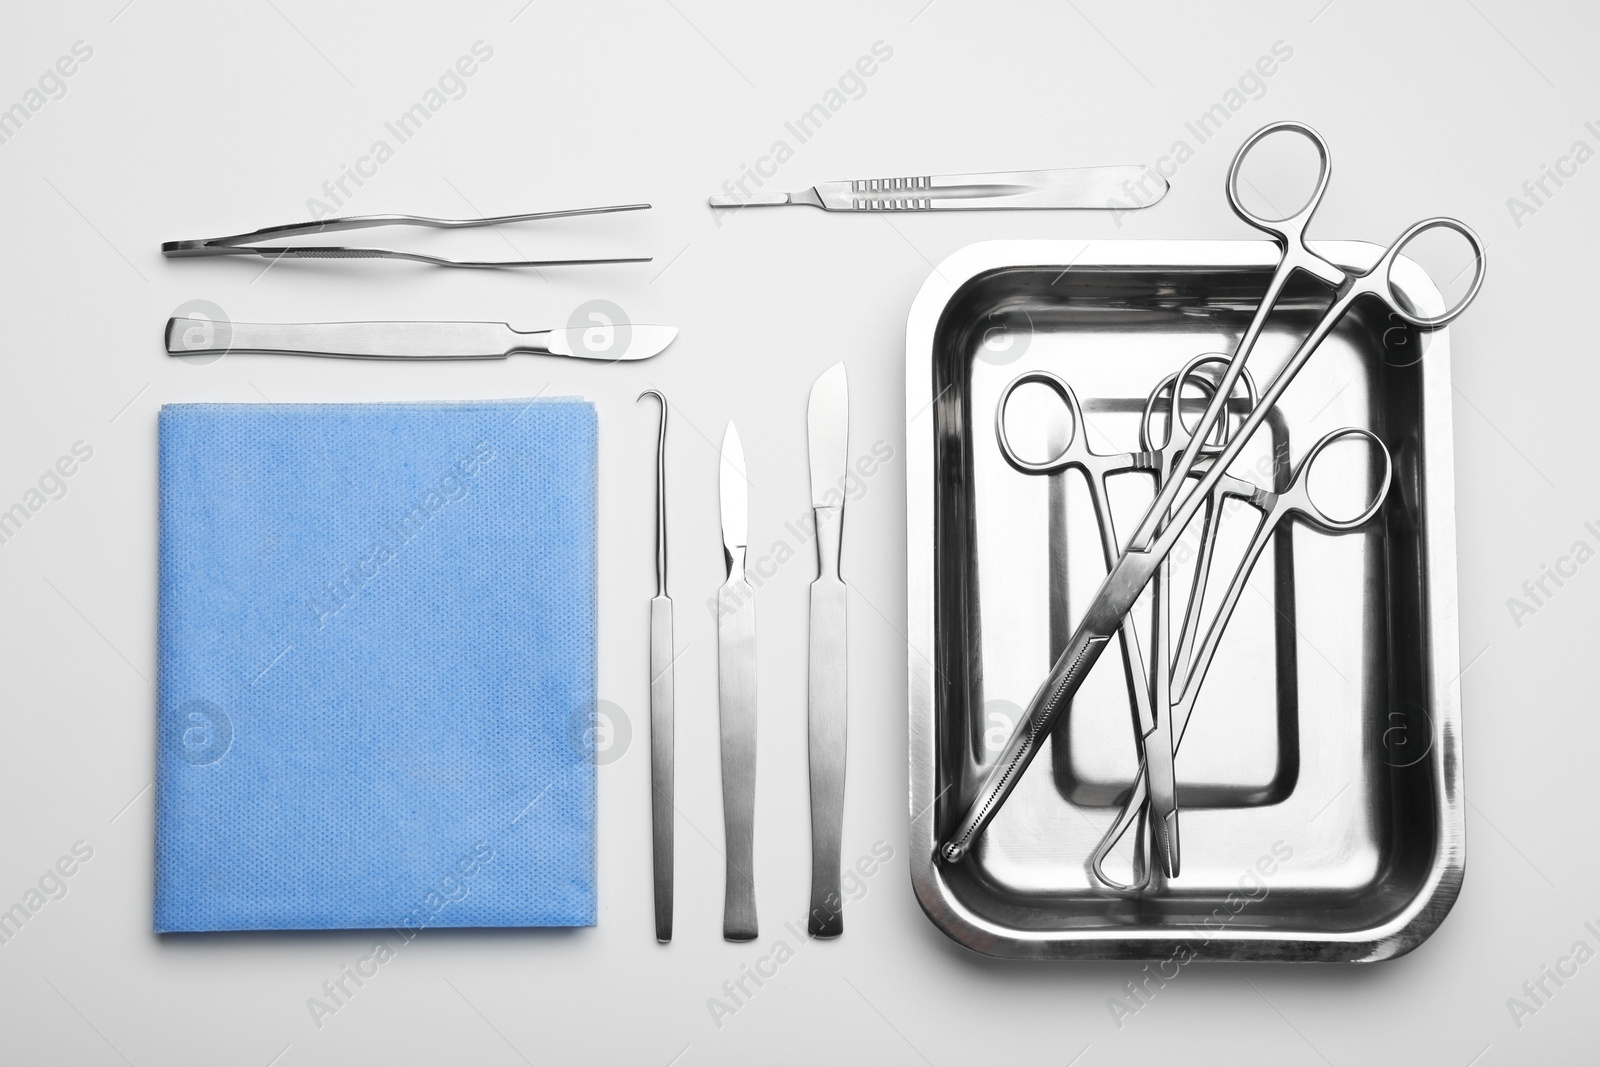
<point>662,771</point>
<point>662,701</point>
<point>661,492</point>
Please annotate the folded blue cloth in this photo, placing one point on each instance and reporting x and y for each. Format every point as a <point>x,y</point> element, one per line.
<point>377,666</point>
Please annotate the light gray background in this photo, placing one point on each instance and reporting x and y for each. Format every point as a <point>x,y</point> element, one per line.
<point>196,119</point>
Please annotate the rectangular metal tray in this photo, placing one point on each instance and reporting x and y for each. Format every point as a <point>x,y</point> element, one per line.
<point>1320,781</point>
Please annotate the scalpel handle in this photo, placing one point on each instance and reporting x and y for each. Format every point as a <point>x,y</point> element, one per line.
<point>736,698</point>
<point>1082,187</point>
<point>827,725</point>
<point>1044,710</point>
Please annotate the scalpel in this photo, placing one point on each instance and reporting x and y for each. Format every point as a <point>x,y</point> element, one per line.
<point>1114,188</point>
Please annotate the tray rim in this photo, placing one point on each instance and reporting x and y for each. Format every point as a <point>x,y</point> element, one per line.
<point>1414,923</point>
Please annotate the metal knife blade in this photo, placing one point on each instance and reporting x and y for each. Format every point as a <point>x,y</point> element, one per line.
<point>618,341</point>
<point>828,433</point>
<point>736,699</point>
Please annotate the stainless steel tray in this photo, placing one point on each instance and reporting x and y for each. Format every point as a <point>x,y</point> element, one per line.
<point>1320,781</point>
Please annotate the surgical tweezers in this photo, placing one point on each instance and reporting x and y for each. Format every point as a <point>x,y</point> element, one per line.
<point>234,245</point>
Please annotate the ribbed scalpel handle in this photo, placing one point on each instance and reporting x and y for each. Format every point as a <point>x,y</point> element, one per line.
<point>892,194</point>
<point>1104,188</point>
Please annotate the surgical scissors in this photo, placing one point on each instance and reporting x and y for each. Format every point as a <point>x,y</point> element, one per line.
<point>1293,501</point>
<point>1177,503</point>
<point>1148,692</point>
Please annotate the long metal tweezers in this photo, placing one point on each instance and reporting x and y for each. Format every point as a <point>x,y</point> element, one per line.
<point>236,244</point>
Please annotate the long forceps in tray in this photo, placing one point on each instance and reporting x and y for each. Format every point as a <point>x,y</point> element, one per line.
<point>238,244</point>
<point>1097,468</point>
<point>1294,501</point>
<point>1181,497</point>
<point>1146,689</point>
<point>1176,441</point>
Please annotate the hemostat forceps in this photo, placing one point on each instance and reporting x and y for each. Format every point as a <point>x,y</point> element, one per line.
<point>1180,500</point>
<point>1147,690</point>
<point>1294,501</point>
